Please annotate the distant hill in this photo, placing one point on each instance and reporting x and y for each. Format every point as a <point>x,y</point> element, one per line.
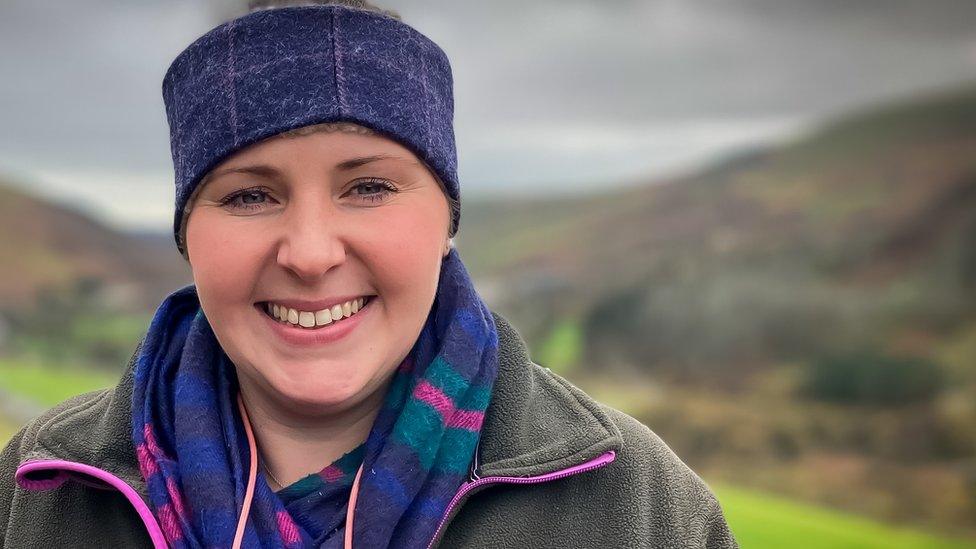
<point>865,228</point>
<point>49,248</point>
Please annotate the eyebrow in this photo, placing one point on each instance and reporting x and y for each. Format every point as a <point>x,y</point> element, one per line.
<point>269,172</point>
<point>354,163</point>
<point>264,171</point>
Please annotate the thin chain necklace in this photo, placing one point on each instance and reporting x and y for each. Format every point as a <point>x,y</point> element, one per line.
<point>273,477</point>
<point>264,465</point>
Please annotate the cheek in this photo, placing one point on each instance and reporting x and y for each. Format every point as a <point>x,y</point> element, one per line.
<point>223,258</point>
<point>406,253</point>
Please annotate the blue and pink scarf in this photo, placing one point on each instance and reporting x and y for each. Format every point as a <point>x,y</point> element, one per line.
<point>194,456</point>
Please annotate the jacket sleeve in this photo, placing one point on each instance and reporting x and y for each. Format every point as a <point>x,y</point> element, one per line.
<point>9,460</point>
<point>717,533</point>
<point>695,512</point>
<point>673,506</point>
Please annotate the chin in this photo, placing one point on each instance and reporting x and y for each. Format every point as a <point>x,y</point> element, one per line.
<point>319,397</point>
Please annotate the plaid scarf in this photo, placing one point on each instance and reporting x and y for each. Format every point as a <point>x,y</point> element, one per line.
<point>194,455</point>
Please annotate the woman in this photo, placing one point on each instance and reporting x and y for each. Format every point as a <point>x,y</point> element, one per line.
<point>332,378</point>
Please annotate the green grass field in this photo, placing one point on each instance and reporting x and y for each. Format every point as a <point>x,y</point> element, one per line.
<point>7,429</point>
<point>761,521</point>
<point>563,347</point>
<point>48,385</point>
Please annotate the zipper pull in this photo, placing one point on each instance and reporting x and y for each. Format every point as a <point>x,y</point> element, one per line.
<point>473,473</point>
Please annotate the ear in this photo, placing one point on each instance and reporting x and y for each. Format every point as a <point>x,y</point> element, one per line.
<point>447,246</point>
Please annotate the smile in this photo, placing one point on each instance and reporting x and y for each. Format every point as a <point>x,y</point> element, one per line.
<point>314,319</point>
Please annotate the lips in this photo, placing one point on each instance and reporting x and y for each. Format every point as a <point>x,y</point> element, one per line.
<point>310,318</point>
<point>295,335</point>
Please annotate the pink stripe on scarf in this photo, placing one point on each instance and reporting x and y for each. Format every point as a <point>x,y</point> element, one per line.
<point>331,473</point>
<point>176,498</point>
<point>287,529</point>
<point>147,434</point>
<point>425,392</point>
<point>147,463</point>
<point>470,420</point>
<point>169,524</point>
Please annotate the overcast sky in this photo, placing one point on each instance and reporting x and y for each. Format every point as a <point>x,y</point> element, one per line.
<point>551,95</point>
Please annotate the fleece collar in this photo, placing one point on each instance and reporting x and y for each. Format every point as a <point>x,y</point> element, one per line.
<point>92,429</point>
<point>536,423</point>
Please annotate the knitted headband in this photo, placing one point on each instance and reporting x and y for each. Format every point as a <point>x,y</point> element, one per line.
<point>275,70</point>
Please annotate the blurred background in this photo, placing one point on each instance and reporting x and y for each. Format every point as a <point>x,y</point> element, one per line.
<point>751,224</point>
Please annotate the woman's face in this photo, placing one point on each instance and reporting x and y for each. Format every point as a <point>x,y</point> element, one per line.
<point>308,223</point>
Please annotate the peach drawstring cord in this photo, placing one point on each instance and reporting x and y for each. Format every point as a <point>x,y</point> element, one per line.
<point>252,474</point>
<point>351,507</point>
<point>252,479</point>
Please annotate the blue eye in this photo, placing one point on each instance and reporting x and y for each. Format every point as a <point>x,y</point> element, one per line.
<point>245,199</point>
<point>373,190</point>
<point>256,198</point>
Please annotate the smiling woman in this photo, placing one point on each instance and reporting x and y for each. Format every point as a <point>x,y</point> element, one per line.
<point>332,378</point>
<point>309,223</point>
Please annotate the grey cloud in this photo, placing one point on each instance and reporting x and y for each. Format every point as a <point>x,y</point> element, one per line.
<point>79,81</point>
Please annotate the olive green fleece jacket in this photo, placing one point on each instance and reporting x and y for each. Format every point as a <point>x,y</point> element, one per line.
<point>632,492</point>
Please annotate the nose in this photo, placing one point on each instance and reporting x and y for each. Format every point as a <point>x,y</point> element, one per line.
<point>312,241</point>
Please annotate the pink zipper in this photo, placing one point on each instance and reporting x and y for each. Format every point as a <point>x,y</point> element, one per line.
<point>466,488</point>
<point>64,468</point>
<point>63,471</point>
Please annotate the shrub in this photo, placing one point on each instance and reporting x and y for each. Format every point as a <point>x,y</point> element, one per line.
<point>867,377</point>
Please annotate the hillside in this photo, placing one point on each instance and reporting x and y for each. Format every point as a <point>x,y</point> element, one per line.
<point>873,211</point>
<point>48,249</point>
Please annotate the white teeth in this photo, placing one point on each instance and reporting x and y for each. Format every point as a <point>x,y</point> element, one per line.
<point>308,319</point>
<point>323,317</point>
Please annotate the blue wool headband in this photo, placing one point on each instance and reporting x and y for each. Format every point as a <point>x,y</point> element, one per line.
<point>276,70</point>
